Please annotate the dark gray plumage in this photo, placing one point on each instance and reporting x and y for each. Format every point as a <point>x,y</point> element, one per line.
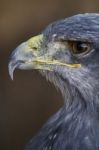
<point>76,126</point>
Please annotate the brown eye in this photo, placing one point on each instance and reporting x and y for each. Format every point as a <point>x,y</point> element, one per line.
<point>78,47</point>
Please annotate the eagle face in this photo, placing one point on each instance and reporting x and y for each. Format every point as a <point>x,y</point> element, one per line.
<point>67,50</point>
<point>67,54</point>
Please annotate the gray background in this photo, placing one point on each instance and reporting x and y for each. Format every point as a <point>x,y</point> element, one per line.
<point>28,101</point>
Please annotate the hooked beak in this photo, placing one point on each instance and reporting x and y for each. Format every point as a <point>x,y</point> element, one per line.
<point>25,55</point>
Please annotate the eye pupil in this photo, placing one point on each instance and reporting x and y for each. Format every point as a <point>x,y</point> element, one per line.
<point>79,47</point>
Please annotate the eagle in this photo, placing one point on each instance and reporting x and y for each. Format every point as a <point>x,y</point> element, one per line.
<point>66,52</point>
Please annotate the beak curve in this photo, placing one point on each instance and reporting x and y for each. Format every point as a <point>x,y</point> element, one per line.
<point>24,55</point>
<point>15,60</point>
<point>12,66</point>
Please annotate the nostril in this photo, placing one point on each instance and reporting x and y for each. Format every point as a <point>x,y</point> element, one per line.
<point>34,48</point>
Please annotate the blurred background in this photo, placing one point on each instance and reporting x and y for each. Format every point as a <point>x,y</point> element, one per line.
<point>28,101</point>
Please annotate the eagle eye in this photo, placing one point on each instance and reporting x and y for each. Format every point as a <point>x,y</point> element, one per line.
<point>79,47</point>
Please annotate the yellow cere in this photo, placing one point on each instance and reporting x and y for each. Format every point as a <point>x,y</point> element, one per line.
<point>34,41</point>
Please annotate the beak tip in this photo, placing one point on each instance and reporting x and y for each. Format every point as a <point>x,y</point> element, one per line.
<point>11,76</point>
<point>10,72</point>
<point>11,69</point>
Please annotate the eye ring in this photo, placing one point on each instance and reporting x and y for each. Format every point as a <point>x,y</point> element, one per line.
<point>79,47</point>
